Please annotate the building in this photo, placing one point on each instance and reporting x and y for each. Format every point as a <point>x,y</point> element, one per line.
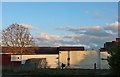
<point>103,51</point>
<point>71,56</point>
<point>12,58</point>
<point>107,44</point>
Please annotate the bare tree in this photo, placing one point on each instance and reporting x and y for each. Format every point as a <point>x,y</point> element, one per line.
<point>17,36</point>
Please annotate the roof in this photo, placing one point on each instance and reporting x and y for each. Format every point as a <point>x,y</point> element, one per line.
<point>71,48</point>
<point>41,50</point>
<point>16,50</point>
<point>47,50</point>
<point>103,50</point>
<point>108,44</point>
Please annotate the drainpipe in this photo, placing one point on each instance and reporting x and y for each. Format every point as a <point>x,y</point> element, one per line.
<point>68,59</point>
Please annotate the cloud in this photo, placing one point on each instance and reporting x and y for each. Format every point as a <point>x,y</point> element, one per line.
<point>88,36</point>
<point>89,42</point>
<point>92,41</point>
<point>92,36</point>
<point>72,36</point>
<point>90,28</point>
<point>28,26</point>
<point>80,28</point>
<point>100,33</point>
<point>48,37</point>
<point>115,27</point>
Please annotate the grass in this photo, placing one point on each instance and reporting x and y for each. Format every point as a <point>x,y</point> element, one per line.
<point>20,71</point>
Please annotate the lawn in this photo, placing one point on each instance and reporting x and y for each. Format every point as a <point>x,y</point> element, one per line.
<point>15,71</point>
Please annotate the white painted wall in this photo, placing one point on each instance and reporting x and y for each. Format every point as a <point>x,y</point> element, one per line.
<point>104,63</point>
<point>78,59</point>
<point>51,59</point>
<point>83,59</point>
<point>16,57</point>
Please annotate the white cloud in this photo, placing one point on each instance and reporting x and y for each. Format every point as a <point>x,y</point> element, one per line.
<point>87,36</point>
<point>28,26</point>
<point>94,44</point>
<point>101,33</point>
<point>90,28</point>
<point>72,36</point>
<point>80,28</point>
<point>90,40</point>
<point>48,37</point>
<point>110,32</point>
<point>113,26</point>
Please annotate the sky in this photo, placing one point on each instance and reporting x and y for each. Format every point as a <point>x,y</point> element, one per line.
<point>88,24</point>
<point>60,0</point>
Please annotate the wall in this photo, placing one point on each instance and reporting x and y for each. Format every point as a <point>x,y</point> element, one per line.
<point>6,60</point>
<point>78,59</point>
<point>51,59</point>
<point>83,59</point>
<point>104,63</point>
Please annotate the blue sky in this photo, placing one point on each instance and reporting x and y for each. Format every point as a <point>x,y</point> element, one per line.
<point>47,17</point>
<point>60,0</point>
